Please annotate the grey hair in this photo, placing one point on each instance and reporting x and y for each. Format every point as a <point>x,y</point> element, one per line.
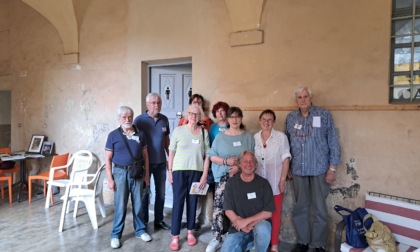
<point>124,109</point>
<point>187,111</point>
<point>300,90</point>
<point>246,152</point>
<point>152,95</point>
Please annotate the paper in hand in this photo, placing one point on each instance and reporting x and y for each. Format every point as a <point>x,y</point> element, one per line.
<point>196,190</point>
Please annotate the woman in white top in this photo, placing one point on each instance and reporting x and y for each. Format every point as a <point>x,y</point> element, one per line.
<point>273,154</point>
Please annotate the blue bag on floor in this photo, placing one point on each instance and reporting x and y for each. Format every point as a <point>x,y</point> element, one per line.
<point>355,233</point>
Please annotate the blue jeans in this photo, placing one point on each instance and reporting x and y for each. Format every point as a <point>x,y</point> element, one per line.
<point>259,238</point>
<point>159,175</point>
<point>125,186</point>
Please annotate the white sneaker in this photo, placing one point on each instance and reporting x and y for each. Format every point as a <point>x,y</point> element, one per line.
<point>146,237</point>
<point>213,246</point>
<point>115,243</point>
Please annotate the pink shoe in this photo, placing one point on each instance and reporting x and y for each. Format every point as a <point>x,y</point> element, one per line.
<point>174,243</point>
<point>191,240</point>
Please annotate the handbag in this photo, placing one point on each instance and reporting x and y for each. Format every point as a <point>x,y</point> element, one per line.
<point>210,177</point>
<point>136,169</point>
<point>355,232</point>
<point>378,236</point>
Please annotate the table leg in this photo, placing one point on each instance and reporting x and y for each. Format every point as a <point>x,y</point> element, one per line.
<point>22,178</point>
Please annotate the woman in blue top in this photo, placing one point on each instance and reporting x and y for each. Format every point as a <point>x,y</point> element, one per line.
<point>226,148</point>
<point>219,112</point>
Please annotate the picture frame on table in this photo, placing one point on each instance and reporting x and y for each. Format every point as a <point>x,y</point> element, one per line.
<point>36,144</point>
<point>47,148</point>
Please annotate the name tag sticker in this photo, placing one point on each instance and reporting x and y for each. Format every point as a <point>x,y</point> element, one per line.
<point>252,195</point>
<point>298,126</point>
<point>237,144</point>
<point>222,129</point>
<point>135,138</point>
<point>195,141</point>
<point>316,123</point>
<point>163,129</point>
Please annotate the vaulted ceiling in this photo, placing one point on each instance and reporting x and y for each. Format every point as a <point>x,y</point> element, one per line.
<point>67,17</point>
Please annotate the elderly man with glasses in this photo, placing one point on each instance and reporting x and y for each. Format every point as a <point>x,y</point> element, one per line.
<point>316,153</point>
<point>155,127</point>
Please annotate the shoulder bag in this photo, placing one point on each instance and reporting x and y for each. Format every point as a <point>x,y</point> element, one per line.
<point>136,169</point>
<point>355,232</point>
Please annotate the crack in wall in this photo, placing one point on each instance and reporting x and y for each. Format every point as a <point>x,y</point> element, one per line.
<point>347,192</point>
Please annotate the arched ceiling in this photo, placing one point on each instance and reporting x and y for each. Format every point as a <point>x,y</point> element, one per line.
<point>67,17</point>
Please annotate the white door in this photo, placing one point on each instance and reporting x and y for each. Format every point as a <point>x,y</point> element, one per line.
<point>174,84</point>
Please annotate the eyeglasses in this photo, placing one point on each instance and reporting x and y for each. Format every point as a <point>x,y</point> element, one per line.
<point>267,120</point>
<point>194,114</point>
<point>305,130</point>
<point>155,103</point>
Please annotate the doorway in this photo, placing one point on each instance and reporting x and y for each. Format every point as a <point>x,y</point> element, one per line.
<point>5,118</point>
<point>174,84</point>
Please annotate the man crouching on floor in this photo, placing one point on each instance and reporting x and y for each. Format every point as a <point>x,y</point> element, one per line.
<point>248,204</point>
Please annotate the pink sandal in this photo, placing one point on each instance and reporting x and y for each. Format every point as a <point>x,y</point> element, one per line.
<point>174,243</point>
<point>191,240</point>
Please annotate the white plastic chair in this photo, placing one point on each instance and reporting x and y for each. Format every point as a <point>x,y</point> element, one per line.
<point>80,191</point>
<point>80,163</point>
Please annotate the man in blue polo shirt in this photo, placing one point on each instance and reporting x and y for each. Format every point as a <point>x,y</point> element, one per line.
<point>119,144</point>
<point>156,130</point>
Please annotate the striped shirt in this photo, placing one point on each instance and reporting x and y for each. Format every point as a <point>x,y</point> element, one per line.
<point>189,149</point>
<point>313,142</point>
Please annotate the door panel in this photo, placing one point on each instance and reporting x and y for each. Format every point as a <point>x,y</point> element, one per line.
<point>174,84</point>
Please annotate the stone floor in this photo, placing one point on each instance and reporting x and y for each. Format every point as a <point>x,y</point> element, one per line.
<point>28,226</point>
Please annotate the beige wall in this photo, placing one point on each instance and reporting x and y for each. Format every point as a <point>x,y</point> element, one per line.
<point>339,48</point>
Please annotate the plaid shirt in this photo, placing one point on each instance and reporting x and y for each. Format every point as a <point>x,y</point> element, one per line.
<point>313,142</point>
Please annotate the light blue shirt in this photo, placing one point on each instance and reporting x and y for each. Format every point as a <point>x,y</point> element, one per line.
<point>313,142</point>
<point>225,146</point>
<point>214,130</point>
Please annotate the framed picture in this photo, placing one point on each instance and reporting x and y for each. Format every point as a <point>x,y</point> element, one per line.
<point>36,144</point>
<point>47,148</point>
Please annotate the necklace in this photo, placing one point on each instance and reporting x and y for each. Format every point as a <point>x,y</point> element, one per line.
<point>264,139</point>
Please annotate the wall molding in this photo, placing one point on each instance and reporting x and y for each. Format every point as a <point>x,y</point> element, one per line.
<point>344,108</point>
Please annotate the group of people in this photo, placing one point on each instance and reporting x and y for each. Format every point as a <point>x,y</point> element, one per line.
<point>249,173</point>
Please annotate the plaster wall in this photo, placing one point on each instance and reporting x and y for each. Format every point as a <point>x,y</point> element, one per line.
<point>339,48</point>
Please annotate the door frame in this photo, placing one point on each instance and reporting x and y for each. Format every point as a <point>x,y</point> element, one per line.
<point>145,73</point>
<point>146,83</point>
